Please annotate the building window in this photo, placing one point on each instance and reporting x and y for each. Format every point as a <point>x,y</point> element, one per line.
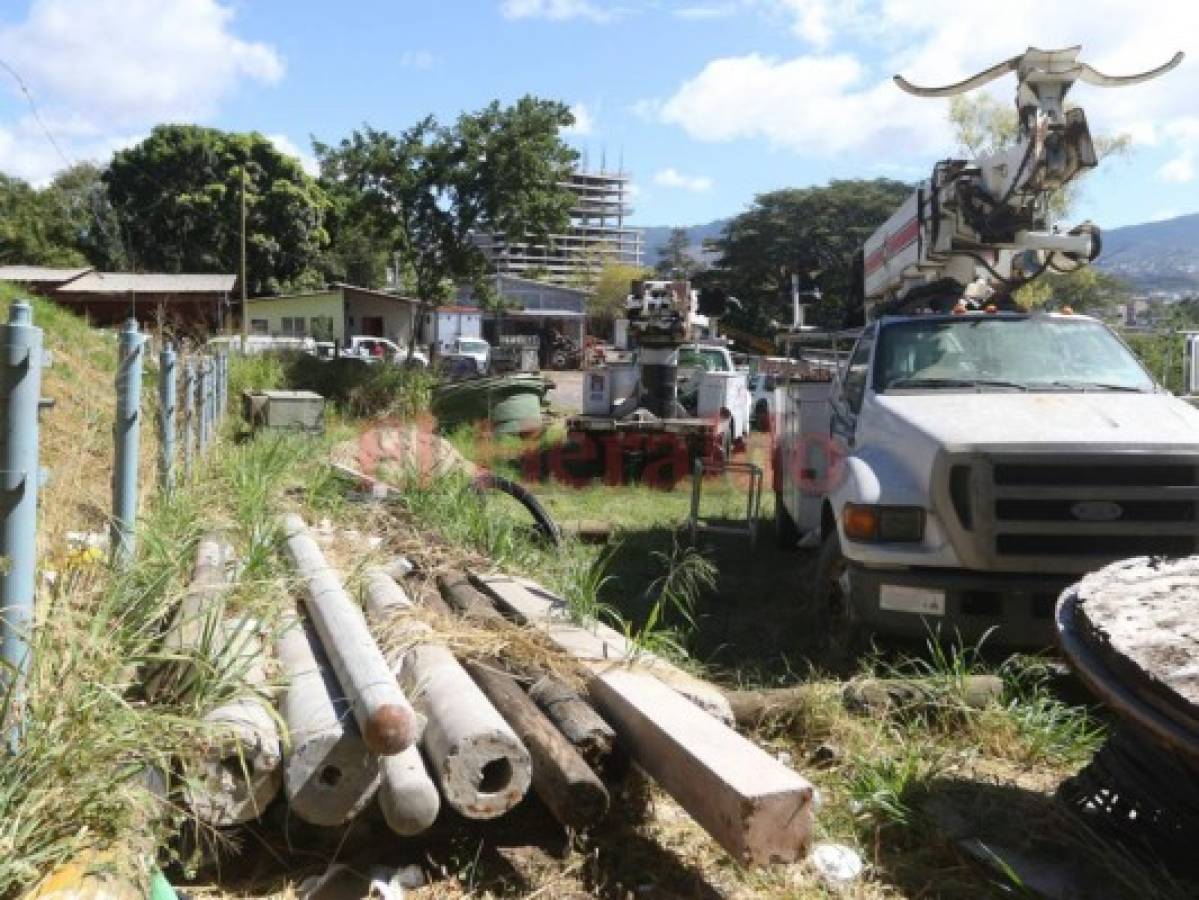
<point>292,326</point>
<point>259,326</point>
<point>321,327</point>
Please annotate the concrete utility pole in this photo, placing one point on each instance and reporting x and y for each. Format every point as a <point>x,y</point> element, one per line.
<point>245,318</point>
<point>385,718</point>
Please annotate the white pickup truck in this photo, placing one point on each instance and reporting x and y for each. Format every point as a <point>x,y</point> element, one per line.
<point>373,349</point>
<point>960,470</point>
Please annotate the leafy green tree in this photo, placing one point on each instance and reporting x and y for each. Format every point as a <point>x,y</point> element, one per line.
<point>427,192</point>
<point>813,232</point>
<point>612,288</point>
<point>673,259</point>
<point>27,235</point>
<point>1086,289</point>
<point>89,223</point>
<point>177,198</point>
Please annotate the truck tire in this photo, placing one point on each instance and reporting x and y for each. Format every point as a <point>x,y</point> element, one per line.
<point>831,602</point>
<point>786,533</point>
<point>727,441</point>
<point>761,417</point>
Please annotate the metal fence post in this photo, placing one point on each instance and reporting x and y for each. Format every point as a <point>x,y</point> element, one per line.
<point>220,388</point>
<point>201,408</point>
<point>209,406</point>
<point>189,414</point>
<point>127,434</point>
<point>166,417</point>
<point>20,391</point>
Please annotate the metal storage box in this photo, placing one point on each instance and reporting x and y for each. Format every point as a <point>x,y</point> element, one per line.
<point>284,410</point>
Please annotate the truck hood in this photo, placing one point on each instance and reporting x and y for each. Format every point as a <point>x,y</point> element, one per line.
<point>965,420</point>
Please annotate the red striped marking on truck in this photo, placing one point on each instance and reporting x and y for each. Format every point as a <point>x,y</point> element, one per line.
<point>893,244</point>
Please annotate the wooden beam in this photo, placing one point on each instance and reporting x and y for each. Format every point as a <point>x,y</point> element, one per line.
<point>597,642</point>
<point>756,808</point>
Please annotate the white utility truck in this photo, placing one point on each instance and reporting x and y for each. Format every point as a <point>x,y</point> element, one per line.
<point>679,387</point>
<point>970,459</point>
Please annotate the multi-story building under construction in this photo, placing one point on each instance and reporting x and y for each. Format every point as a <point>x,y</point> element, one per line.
<point>597,236</point>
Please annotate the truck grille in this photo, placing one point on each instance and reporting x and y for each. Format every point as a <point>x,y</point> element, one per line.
<point>1033,512</point>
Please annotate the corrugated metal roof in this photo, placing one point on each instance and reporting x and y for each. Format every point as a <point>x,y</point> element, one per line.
<point>39,273</point>
<point>545,313</point>
<point>148,283</point>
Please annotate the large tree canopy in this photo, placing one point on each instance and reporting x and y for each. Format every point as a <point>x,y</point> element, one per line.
<point>66,223</point>
<point>177,196</point>
<point>424,194</point>
<point>813,232</point>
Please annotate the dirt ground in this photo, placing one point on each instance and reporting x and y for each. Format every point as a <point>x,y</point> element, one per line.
<point>566,396</point>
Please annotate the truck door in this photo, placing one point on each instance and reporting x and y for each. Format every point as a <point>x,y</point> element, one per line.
<point>847,400</point>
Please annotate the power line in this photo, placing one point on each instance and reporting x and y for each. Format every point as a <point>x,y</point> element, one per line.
<point>37,116</point>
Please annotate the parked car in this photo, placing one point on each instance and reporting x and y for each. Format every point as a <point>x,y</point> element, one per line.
<point>263,343</point>
<point>477,349</point>
<point>375,349</point>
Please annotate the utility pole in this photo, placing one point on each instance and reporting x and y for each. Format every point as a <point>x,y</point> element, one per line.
<point>245,317</point>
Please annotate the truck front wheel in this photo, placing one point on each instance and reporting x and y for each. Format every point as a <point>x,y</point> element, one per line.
<point>831,602</point>
<point>785,531</point>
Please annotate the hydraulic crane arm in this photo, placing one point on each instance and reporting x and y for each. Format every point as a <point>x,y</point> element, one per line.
<point>986,221</point>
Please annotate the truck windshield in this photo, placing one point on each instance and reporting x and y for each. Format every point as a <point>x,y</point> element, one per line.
<point>1033,353</point>
<point>708,359</point>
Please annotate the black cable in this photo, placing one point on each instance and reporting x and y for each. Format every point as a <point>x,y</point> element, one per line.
<point>549,530</point>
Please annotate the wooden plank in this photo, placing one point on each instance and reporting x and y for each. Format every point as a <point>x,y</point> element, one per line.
<point>756,808</point>
<point>597,642</point>
<point>577,720</point>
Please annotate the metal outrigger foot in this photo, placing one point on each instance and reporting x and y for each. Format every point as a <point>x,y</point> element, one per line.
<point>753,503</point>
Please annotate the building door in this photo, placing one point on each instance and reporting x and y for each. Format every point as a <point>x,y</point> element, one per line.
<point>372,326</point>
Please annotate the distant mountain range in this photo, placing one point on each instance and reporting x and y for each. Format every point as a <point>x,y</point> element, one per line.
<point>656,238</point>
<point>1153,256</point>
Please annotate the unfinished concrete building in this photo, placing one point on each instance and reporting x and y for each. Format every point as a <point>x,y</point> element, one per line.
<point>597,236</point>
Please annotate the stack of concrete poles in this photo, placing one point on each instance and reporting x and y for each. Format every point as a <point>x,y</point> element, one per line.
<point>416,728</point>
<point>383,713</point>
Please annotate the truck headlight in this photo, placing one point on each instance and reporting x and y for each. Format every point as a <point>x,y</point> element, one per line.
<point>867,523</point>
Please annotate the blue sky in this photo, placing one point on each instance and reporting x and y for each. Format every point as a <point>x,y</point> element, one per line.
<point>706,101</point>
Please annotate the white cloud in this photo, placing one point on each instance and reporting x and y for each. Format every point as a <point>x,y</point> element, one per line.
<point>700,13</point>
<point>286,145</point>
<point>816,105</point>
<point>672,178</point>
<point>1163,214</point>
<point>559,10</point>
<point>102,69</point>
<point>417,59</point>
<point>584,121</point>
<point>136,59</point>
<point>835,94</point>
<point>1179,170</point>
<point>814,20</point>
